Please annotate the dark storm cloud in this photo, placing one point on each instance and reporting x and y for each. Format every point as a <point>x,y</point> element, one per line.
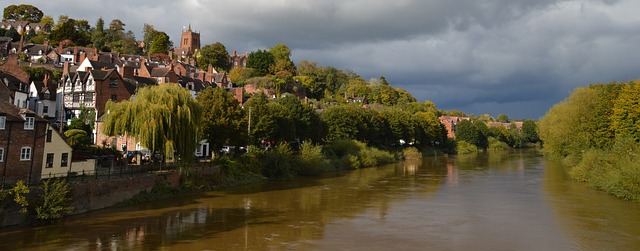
<point>517,57</point>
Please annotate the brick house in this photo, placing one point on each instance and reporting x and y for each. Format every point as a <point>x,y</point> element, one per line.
<point>92,90</point>
<point>16,80</point>
<point>450,123</point>
<point>22,139</point>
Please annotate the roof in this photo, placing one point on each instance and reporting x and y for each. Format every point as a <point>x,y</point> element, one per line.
<point>160,72</point>
<point>12,83</point>
<point>98,65</point>
<point>14,113</point>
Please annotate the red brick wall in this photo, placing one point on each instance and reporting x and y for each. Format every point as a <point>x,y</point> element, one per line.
<point>12,139</point>
<point>104,92</point>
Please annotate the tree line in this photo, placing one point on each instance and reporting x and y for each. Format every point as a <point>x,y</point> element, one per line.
<point>596,130</point>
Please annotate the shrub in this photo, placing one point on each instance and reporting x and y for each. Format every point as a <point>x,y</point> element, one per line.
<point>311,161</point>
<point>497,145</point>
<point>276,164</point>
<point>19,192</point>
<point>372,156</point>
<point>55,201</point>
<point>463,147</point>
<point>411,153</point>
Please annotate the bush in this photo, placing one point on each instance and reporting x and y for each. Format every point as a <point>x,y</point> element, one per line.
<point>311,162</point>
<point>411,153</point>
<point>55,201</point>
<point>497,145</point>
<point>615,171</point>
<point>463,147</point>
<point>372,156</point>
<point>276,164</point>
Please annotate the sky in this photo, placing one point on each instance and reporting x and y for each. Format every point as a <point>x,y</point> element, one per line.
<point>514,57</point>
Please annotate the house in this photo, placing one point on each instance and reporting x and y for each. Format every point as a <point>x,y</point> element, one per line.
<point>16,80</point>
<point>37,52</point>
<point>238,61</point>
<point>92,90</point>
<point>22,139</point>
<point>450,123</point>
<point>517,124</point>
<point>42,97</point>
<point>57,156</point>
<point>163,75</point>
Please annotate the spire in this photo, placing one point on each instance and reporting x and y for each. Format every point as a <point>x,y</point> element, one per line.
<point>189,27</point>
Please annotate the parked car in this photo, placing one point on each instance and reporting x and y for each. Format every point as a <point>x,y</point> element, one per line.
<point>227,149</point>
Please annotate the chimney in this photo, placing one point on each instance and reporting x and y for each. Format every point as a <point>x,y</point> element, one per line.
<point>82,57</point>
<point>46,80</point>
<point>233,54</point>
<point>46,42</point>
<point>65,68</point>
<point>60,48</point>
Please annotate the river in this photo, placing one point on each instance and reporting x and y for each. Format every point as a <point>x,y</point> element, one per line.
<point>495,201</point>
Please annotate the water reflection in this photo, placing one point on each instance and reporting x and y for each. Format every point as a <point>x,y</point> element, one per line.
<point>481,201</point>
<point>594,219</point>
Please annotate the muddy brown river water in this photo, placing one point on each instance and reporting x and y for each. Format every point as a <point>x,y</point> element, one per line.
<point>495,201</point>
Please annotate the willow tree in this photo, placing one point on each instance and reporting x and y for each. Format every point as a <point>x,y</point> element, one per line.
<point>163,118</point>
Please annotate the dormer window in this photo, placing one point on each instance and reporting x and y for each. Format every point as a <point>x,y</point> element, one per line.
<point>29,122</point>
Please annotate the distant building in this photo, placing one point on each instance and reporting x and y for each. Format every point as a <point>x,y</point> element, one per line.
<point>450,123</point>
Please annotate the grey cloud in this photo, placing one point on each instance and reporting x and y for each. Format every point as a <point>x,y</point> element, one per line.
<point>504,56</point>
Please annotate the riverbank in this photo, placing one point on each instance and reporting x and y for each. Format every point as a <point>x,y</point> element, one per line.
<point>281,163</point>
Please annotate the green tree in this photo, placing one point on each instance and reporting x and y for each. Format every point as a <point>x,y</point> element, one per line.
<point>625,117</point>
<point>98,36</point>
<point>503,118</point>
<point>239,76</point>
<point>399,124</point>
<point>13,34</point>
<point>161,43</point>
<point>306,121</point>
<point>343,122</point>
<point>214,54</point>
<point>48,22</point>
<point>71,29</point>
<point>483,130</point>
<point>468,132</point>
<point>164,118</point>
<point>127,44</point>
<point>269,121</point>
<point>223,118</point>
<point>260,61</point>
<point>22,12</point>
<point>77,138</point>
<point>282,59</point>
<point>149,33</point>
<point>530,130</point>
<point>115,32</point>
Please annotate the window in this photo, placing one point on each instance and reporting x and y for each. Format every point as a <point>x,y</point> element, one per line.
<point>45,109</point>
<point>29,122</point>
<point>1,154</point>
<point>25,153</point>
<point>3,121</point>
<point>49,132</point>
<point>49,160</point>
<point>65,159</point>
<point>88,97</point>
<point>113,83</point>
<point>114,98</point>
<point>76,97</point>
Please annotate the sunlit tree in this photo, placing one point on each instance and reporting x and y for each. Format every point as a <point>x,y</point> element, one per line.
<point>164,118</point>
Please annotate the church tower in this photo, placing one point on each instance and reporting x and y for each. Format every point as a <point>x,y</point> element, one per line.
<point>190,41</point>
